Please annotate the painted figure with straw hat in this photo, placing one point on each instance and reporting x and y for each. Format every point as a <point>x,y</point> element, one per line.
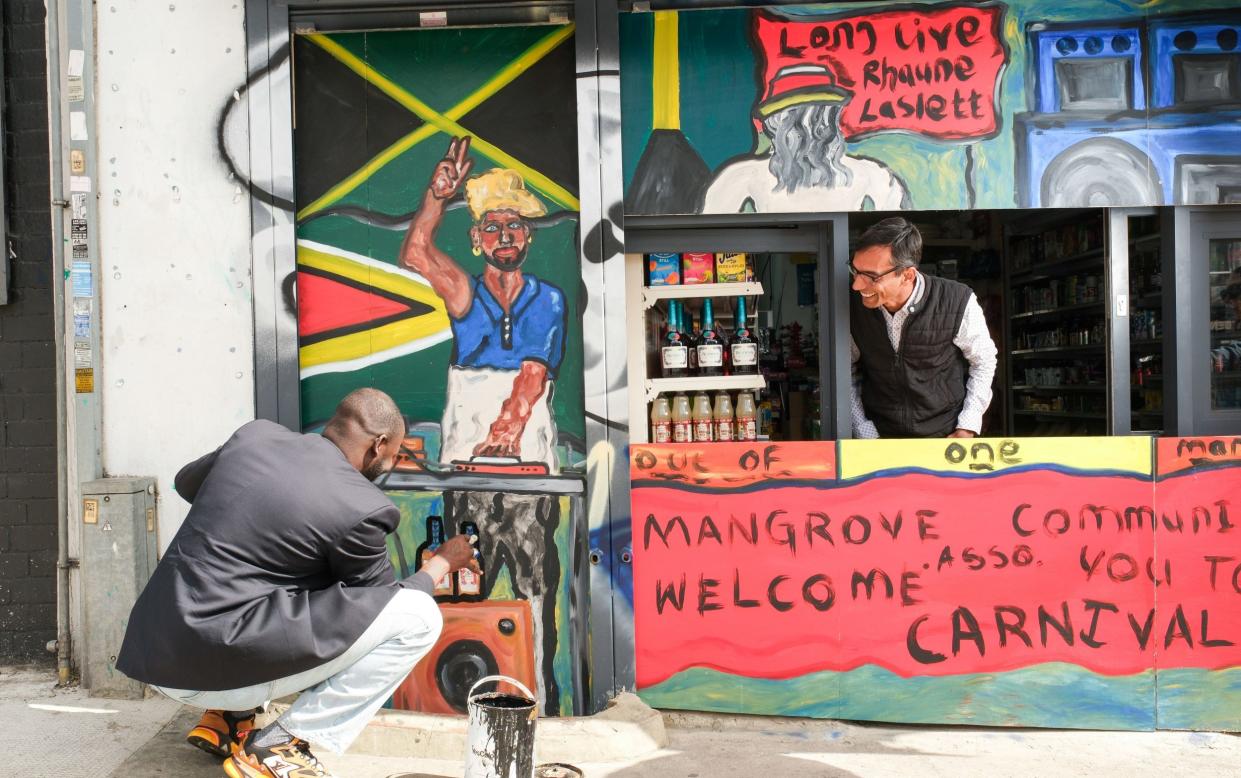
<point>508,326</point>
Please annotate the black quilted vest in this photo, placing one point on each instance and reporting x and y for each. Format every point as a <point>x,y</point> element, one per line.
<point>918,391</point>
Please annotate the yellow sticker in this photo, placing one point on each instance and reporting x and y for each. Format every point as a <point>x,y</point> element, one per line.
<point>77,162</point>
<point>150,519</point>
<point>84,380</point>
<point>90,511</point>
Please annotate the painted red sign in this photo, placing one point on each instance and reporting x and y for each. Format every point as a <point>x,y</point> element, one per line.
<point>932,72</point>
<point>937,574</point>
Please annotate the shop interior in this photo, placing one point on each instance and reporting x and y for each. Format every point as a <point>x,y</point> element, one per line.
<point>1041,277</point>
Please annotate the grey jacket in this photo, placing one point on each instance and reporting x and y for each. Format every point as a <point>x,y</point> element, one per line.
<point>279,567</point>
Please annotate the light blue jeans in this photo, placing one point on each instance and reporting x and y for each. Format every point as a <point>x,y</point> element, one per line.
<point>340,696</point>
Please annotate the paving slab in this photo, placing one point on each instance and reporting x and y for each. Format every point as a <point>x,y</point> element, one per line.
<point>724,746</point>
<point>51,731</point>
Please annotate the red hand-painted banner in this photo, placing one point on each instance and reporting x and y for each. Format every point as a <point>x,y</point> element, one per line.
<point>928,574</point>
<point>931,72</point>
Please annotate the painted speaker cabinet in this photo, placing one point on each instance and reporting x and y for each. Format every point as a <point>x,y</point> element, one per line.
<point>479,639</point>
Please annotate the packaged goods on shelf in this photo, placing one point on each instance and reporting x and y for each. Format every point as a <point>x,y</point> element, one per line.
<point>697,267</point>
<point>733,268</point>
<point>663,269</point>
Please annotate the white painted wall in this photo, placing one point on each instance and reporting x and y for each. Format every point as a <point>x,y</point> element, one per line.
<point>174,239</point>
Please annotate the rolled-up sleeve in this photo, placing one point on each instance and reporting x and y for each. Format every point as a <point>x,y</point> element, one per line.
<point>976,345</point>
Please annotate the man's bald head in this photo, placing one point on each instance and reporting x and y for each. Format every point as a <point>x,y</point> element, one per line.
<point>368,427</point>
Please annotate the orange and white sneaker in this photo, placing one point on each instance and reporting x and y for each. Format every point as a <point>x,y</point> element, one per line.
<point>286,760</point>
<point>217,731</point>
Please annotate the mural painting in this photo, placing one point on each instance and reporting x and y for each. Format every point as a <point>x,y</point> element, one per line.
<point>1024,582</point>
<point>931,106</point>
<point>437,260</point>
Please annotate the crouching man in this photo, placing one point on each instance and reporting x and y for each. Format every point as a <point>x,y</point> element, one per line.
<point>278,582</point>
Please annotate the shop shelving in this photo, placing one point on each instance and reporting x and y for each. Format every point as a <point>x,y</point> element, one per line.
<point>732,383</point>
<point>652,294</point>
<point>1049,286</point>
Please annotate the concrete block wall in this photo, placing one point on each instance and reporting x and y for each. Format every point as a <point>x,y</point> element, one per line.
<point>27,355</point>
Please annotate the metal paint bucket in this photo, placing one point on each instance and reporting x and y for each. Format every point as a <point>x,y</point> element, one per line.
<point>499,738</point>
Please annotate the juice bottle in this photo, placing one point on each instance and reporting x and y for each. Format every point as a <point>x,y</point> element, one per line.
<point>682,420</point>
<point>674,353</point>
<point>702,418</point>
<point>743,349</point>
<point>661,421</point>
<point>725,426</point>
<point>708,345</point>
<point>747,417</point>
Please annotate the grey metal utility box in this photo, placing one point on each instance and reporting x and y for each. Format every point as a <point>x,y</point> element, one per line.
<point>119,550</point>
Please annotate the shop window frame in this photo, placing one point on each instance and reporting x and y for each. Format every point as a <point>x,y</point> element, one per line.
<point>826,236</point>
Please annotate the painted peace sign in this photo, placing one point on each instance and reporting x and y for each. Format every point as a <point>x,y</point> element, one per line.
<point>451,171</point>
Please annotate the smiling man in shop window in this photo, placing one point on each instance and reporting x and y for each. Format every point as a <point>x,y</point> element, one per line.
<point>922,357</point>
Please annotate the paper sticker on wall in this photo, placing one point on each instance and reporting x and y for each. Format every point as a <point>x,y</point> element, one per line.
<point>90,511</point>
<point>78,200</point>
<point>81,317</point>
<point>78,238</point>
<point>77,126</point>
<point>84,380</point>
<point>82,357</point>
<point>79,183</point>
<point>83,280</point>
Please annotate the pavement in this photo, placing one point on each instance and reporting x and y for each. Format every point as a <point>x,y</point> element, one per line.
<point>65,734</point>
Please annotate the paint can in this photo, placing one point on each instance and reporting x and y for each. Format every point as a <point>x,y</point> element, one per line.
<point>499,738</point>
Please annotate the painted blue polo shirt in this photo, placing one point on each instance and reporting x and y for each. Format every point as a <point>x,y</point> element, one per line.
<point>534,330</point>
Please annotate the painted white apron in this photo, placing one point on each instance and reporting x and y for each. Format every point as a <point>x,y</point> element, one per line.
<point>475,395</point>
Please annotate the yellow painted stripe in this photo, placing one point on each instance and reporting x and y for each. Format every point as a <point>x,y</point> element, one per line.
<point>500,80</point>
<point>1123,454</point>
<point>442,123</point>
<point>367,342</point>
<point>666,76</point>
<point>394,282</point>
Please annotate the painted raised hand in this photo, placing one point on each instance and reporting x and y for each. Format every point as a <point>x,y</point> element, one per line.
<point>452,170</point>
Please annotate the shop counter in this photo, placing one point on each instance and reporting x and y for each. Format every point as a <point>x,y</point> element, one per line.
<point>1057,582</point>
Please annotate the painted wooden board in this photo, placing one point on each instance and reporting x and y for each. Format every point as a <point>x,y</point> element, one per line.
<point>1008,582</point>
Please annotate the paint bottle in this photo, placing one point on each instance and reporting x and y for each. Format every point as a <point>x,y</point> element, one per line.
<point>661,421</point>
<point>435,539</point>
<point>725,426</point>
<point>747,417</point>
<point>682,420</point>
<point>469,583</point>
<point>703,421</point>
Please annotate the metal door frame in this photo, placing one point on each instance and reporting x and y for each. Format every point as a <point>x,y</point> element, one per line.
<point>270,25</point>
<point>1203,225</point>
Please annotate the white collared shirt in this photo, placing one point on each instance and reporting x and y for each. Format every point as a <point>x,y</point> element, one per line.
<point>972,338</point>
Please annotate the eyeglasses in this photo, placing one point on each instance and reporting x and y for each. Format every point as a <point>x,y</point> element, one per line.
<point>871,277</point>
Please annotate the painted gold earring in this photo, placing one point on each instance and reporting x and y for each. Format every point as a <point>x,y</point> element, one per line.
<point>477,251</point>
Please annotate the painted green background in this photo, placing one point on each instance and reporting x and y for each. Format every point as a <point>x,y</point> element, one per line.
<point>441,68</point>
<point>719,87</point>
